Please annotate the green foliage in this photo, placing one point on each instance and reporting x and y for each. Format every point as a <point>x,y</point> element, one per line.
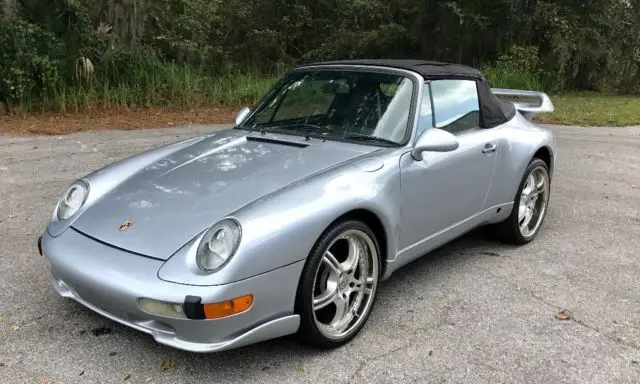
<point>28,61</point>
<point>171,84</point>
<point>193,51</point>
<point>517,68</point>
<point>69,21</point>
<point>189,35</point>
<point>525,59</point>
<point>511,77</point>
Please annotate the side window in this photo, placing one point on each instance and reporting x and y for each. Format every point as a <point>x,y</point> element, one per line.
<point>425,118</point>
<point>455,104</point>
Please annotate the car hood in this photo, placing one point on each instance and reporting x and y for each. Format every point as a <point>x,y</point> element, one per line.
<point>176,197</point>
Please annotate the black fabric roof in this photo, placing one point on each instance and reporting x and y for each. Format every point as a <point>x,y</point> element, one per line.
<point>423,67</point>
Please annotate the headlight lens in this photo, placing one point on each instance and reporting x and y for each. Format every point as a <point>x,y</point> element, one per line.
<point>218,244</point>
<point>72,200</point>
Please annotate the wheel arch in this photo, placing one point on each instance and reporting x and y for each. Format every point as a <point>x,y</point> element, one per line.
<point>373,221</point>
<point>545,153</point>
<point>307,329</point>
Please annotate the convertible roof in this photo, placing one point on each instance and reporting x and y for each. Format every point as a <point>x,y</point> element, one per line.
<point>424,67</point>
<point>493,110</point>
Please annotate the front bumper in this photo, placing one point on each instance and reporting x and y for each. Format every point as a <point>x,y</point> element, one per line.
<point>110,282</point>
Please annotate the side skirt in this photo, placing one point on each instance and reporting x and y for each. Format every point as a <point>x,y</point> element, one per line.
<point>408,254</point>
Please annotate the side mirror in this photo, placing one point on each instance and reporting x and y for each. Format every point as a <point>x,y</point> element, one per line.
<point>434,140</point>
<point>242,115</point>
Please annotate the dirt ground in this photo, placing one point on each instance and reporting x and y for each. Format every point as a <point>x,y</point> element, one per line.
<point>101,119</point>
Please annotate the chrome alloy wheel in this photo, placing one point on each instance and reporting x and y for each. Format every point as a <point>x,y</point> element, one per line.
<point>345,283</point>
<point>533,202</point>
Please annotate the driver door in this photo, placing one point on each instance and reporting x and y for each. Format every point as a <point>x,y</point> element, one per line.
<point>442,193</point>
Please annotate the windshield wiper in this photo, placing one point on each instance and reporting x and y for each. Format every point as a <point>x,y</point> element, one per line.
<point>361,137</point>
<point>306,126</point>
<point>305,129</point>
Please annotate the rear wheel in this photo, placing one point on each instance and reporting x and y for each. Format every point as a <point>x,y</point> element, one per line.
<point>530,206</point>
<point>339,284</point>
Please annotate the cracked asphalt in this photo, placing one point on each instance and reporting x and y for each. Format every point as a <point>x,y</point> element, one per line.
<point>474,311</point>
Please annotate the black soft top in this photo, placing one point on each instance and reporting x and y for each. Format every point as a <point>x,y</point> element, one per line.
<point>427,69</point>
<point>493,110</point>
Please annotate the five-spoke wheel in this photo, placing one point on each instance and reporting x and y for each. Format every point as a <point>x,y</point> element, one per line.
<point>533,201</point>
<point>530,206</point>
<point>339,284</point>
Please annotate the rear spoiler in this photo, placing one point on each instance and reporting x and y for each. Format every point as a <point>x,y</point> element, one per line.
<point>529,103</point>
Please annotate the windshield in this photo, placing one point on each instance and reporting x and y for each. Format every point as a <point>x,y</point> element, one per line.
<point>338,105</point>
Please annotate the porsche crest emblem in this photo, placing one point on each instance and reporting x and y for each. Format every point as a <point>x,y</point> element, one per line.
<point>126,225</point>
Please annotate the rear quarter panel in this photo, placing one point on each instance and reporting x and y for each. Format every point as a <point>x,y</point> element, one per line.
<point>518,140</point>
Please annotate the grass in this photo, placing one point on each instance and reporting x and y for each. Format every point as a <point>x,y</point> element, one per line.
<point>127,78</point>
<point>134,83</point>
<point>514,78</point>
<point>182,87</point>
<point>592,109</point>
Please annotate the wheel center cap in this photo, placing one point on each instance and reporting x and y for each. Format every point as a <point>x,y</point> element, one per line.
<point>343,282</point>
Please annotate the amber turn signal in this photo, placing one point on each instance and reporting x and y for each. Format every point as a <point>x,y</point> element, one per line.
<point>227,308</point>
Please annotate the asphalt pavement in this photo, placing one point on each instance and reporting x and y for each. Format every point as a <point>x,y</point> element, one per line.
<point>474,311</point>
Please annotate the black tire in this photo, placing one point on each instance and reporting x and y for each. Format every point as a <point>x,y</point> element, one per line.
<point>508,230</point>
<point>309,332</point>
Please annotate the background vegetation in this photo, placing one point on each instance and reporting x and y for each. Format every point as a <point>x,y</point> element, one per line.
<point>193,52</point>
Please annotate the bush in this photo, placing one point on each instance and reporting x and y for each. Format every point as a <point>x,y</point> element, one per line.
<point>517,68</point>
<point>28,62</point>
<point>128,65</point>
<point>523,58</point>
<point>511,77</point>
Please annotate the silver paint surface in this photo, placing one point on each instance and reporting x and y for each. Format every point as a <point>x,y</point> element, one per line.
<point>284,196</point>
<point>180,195</point>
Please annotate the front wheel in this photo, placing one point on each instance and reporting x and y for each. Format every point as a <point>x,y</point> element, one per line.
<point>339,284</point>
<point>530,206</point>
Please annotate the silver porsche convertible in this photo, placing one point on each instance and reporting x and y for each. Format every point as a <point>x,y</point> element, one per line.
<point>286,223</point>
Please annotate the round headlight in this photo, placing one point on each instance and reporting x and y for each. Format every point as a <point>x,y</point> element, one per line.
<point>72,200</point>
<point>217,245</point>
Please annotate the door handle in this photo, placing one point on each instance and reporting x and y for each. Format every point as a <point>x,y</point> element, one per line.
<point>489,148</point>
